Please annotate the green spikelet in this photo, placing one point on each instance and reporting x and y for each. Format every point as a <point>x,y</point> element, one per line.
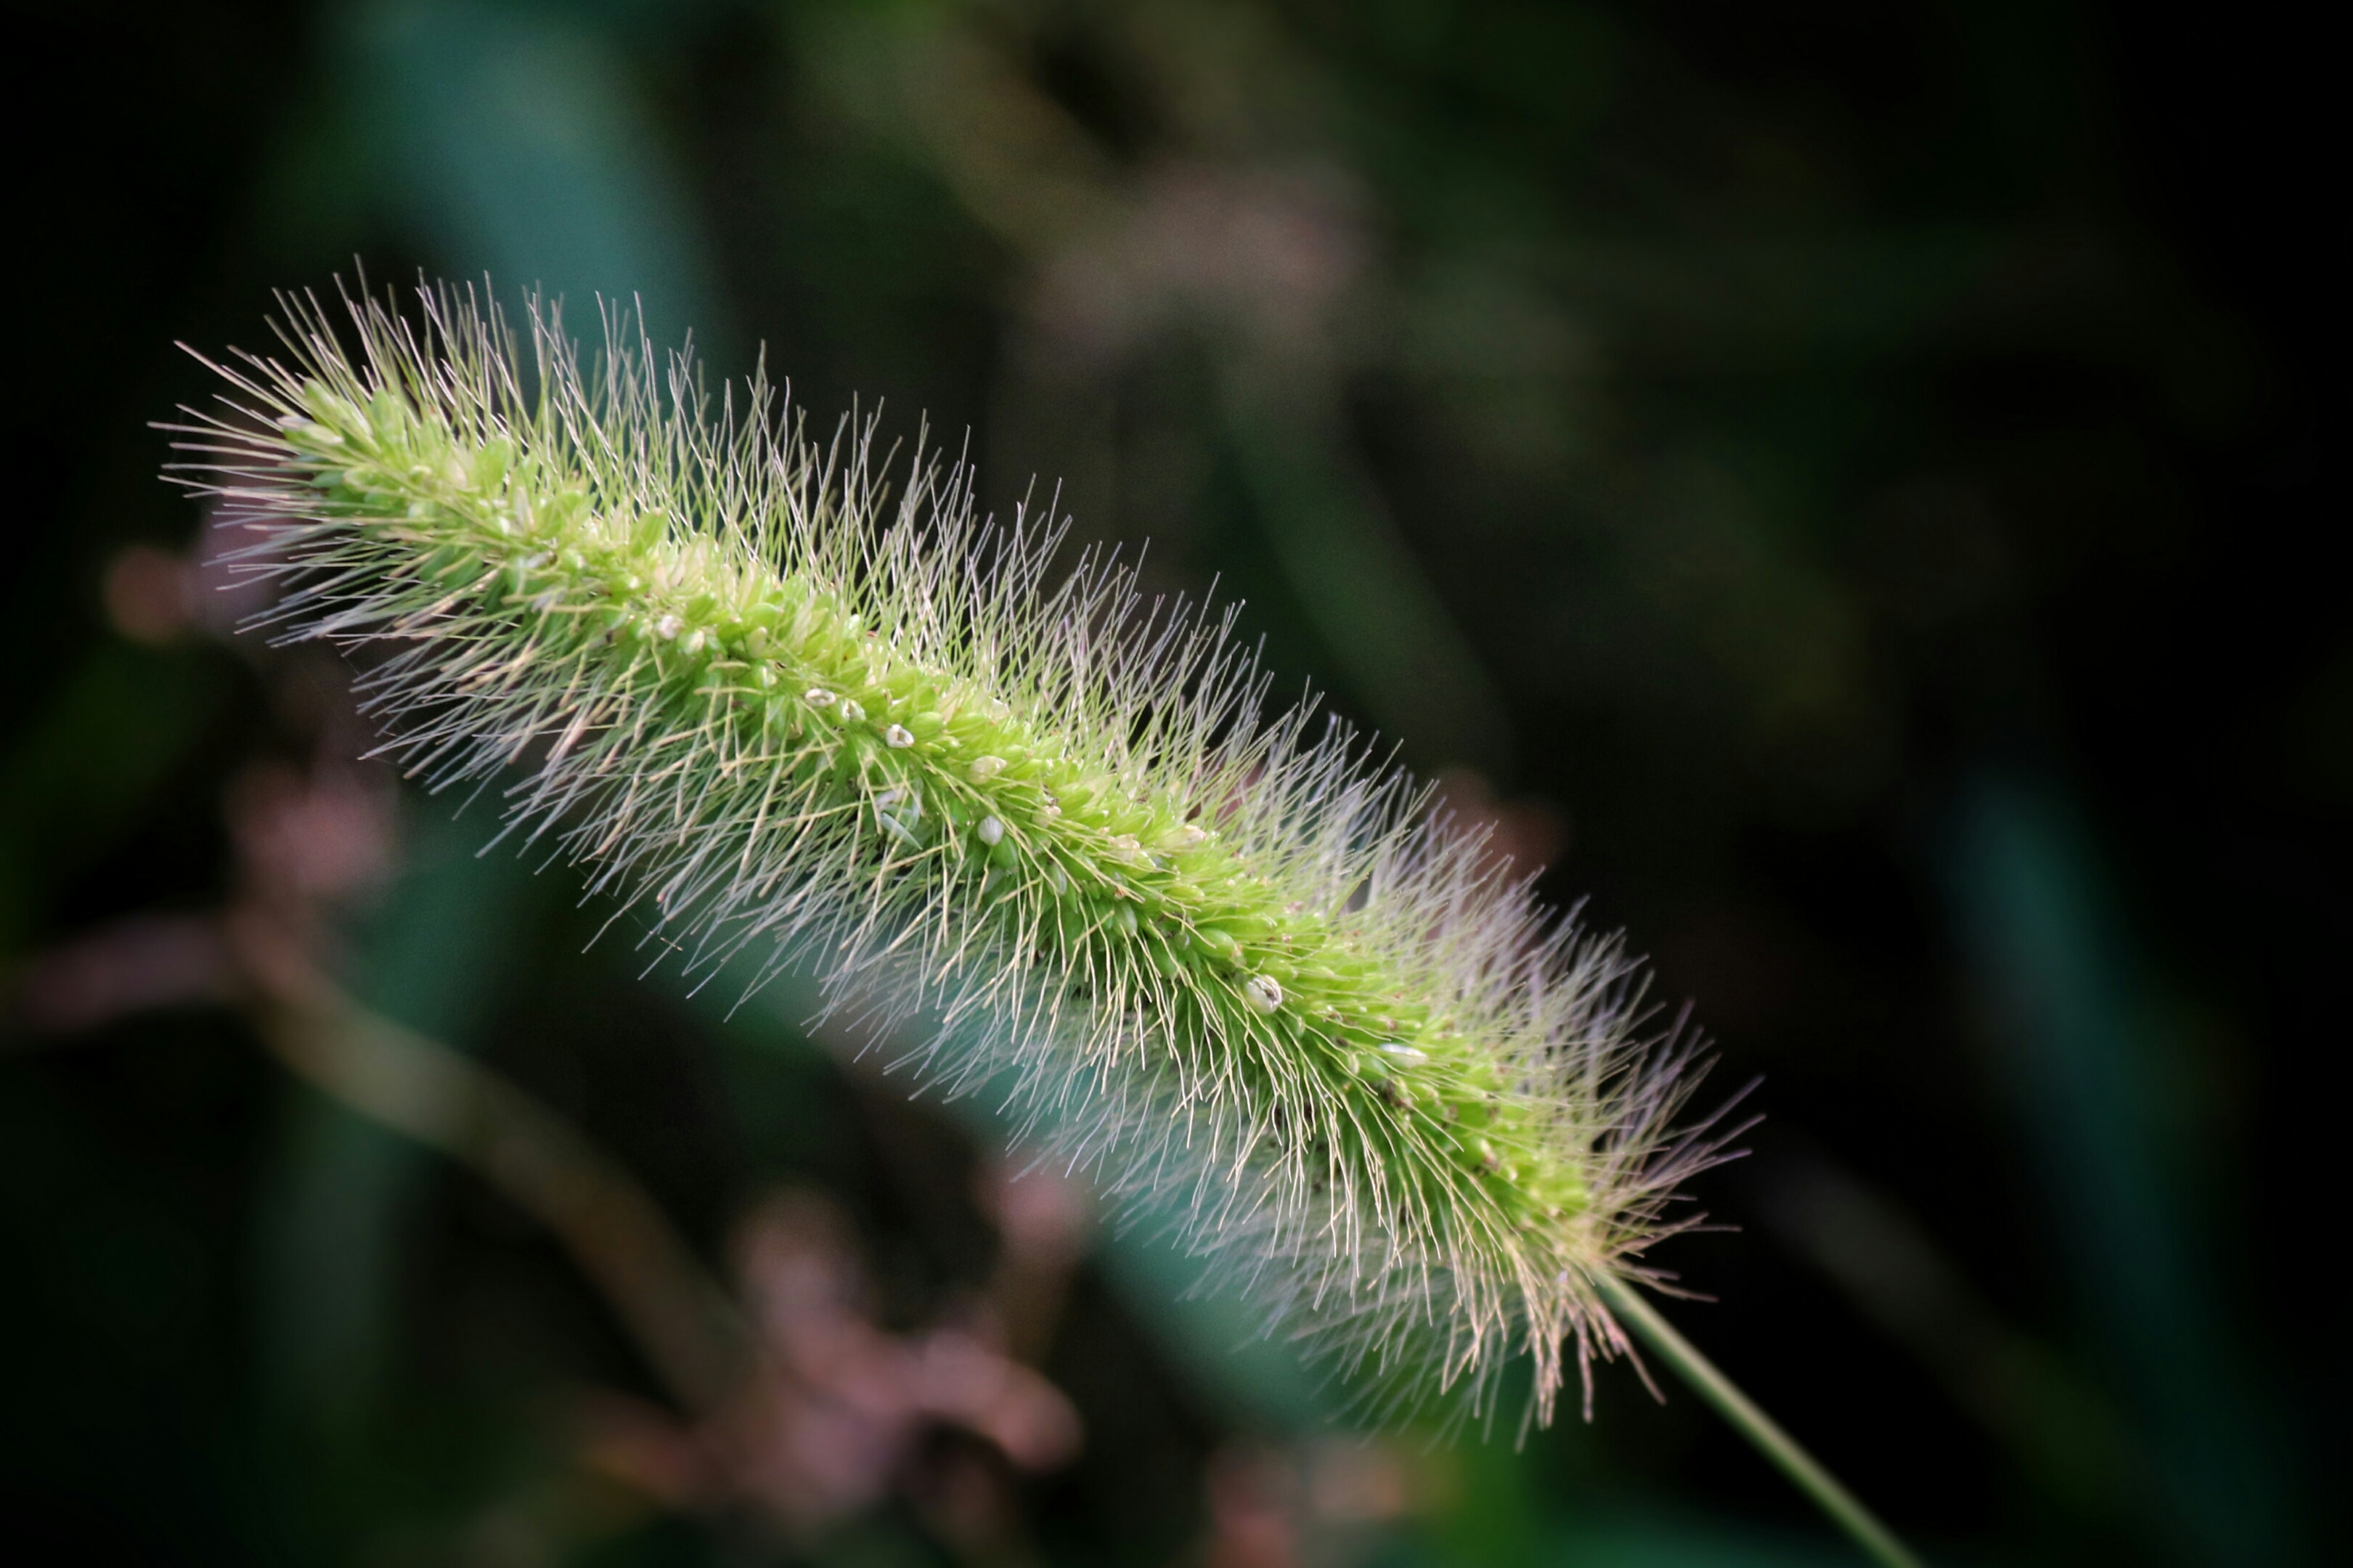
<point>777,715</point>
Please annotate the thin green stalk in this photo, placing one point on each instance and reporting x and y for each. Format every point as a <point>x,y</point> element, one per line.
<point>1843,1507</point>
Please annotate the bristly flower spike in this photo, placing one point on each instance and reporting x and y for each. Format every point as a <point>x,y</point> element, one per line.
<point>777,713</point>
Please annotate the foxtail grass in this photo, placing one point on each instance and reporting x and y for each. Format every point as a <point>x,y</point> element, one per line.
<point>786,702</point>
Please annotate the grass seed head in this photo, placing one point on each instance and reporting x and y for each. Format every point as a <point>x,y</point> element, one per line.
<point>786,715</point>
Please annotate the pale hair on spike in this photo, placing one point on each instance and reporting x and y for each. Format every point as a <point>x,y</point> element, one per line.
<point>1223,953</point>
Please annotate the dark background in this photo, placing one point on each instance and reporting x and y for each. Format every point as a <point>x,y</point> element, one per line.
<point>1844,485</point>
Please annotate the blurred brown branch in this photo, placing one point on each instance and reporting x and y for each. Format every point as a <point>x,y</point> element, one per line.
<point>689,1329</point>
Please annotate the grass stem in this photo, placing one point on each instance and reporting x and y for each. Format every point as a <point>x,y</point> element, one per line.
<point>1843,1507</point>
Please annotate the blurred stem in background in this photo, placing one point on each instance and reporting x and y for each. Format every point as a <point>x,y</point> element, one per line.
<point>344,1185</point>
<point>517,135</point>
<point>1403,656</point>
<point>2075,1033</point>
<point>690,1333</point>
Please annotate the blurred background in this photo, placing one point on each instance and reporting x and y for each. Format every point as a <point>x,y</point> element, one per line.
<point>1839,484</point>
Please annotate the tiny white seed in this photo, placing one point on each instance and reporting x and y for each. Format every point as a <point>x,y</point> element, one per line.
<point>695,640</point>
<point>1182,837</point>
<point>1404,1053</point>
<point>669,626</point>
<point>851,712</point>
<point>991,830</point>
<point>984,769</point>
<point>898,737</point>
<point>1265,993</point>
<point>818,697</point>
